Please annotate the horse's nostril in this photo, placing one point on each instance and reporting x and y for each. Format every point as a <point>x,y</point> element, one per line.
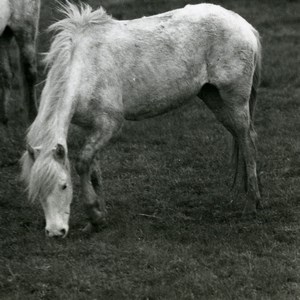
<point>59,233</point>
<point>63,231</point>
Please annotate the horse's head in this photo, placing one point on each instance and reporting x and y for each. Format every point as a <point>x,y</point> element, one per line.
<point>50,182</point>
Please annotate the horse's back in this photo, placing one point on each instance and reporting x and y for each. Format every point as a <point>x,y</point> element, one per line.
<point>156,63</point>
<point>205,14</point>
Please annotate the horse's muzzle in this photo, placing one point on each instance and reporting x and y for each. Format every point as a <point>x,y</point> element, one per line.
<point>59,233</point>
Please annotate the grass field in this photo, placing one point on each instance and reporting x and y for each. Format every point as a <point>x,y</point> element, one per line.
<point>173,230</point>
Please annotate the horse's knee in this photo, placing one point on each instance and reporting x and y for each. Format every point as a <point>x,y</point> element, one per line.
<point>30,71</point>
<point>31,74</point>
<point>28,51</point>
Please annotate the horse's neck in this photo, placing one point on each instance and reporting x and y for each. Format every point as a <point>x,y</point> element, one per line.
<point>52,123</point>
<point>58,99</point>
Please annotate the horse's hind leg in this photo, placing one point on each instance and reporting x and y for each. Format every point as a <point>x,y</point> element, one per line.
<point>232,110</point>
<point>27,44</point>
<point>89,170</point>
<point>5,75</point>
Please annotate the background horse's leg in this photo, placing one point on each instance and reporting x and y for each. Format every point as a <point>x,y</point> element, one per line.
<point>27,43</point>
<point>89,170</point>
<point>232,110</point>
<point>5,75</point>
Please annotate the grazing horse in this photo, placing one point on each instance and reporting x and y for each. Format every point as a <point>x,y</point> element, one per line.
<point>103,71</point>
<point>18,19</point>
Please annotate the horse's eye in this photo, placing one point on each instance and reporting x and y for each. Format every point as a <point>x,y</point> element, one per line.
<point>64,187</point>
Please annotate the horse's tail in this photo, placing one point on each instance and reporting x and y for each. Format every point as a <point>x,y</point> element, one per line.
<point>252,104</point>
<point>256,76</point>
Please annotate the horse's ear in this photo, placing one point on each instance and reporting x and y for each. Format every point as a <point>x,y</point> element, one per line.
<point>59,152</point>
<point>33,151</point>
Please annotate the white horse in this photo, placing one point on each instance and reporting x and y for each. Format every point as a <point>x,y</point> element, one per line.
<point>104,71</point>
<point>19,19</point>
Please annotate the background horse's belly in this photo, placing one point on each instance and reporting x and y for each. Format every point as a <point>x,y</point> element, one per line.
<point>4,15</point>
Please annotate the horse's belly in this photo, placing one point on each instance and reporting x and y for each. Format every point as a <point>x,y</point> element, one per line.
<point>148,98</point>
<point>152,108</point>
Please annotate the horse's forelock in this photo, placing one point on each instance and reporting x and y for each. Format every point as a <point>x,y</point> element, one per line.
<point>26,163</point>
<point>43,176</point>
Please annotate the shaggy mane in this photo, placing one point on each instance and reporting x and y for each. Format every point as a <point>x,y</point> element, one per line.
<point>77,19</point>
<point>58,59</point>
<point>40,175</point>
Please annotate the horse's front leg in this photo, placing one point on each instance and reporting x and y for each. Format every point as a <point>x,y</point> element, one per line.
<point>89,170</point>
<point>91,185</point>
<point>96,181</point>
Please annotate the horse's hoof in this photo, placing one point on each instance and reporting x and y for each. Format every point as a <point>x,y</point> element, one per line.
<point>249,213</point>
<point>250,216</point>
<point>92,228</point>
<point>88,229</point>
<point>97,222</point>
<point>98,217</point>
<point>4,120</point>
<point>259,205</point>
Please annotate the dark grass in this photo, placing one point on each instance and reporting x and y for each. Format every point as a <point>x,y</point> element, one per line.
<point>174,229</point>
